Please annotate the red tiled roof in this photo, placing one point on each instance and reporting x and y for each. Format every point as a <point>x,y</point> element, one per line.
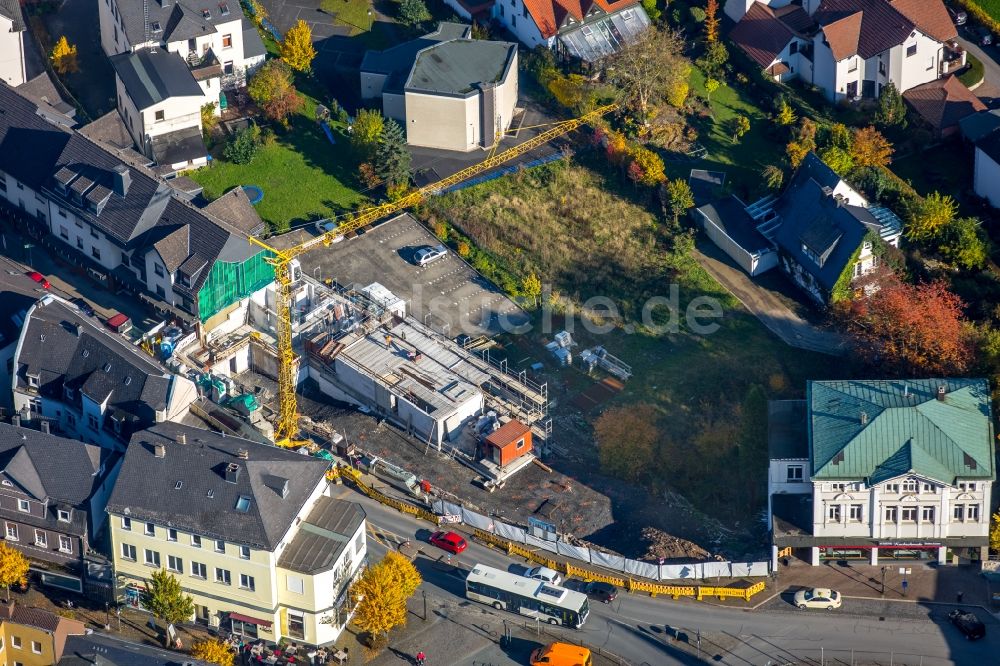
<point>761,35</point>
<point>944,102</point>
<point>507,433</point>
<point>843,35</point>
<point>548,15</point>
<point>795,18</point>
<point>879,27</point>
<point>930,16</point>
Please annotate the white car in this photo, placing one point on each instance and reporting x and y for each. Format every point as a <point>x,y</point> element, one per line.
<point>818,597</point>
<point>544,574</point>
<point>426,255</point>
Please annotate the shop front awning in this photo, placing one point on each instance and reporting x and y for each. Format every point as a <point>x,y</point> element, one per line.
<point>250,620</point>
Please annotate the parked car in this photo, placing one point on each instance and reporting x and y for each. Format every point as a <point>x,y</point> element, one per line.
<point>982,35</point>
<point>604,592</point>
<point>958,16</point>
<point>449,541</point>
<point>560,654</point>
<point>544,574</point>
<point>427,254</point>
<point>83,306</point>
<point>40,279</point>
<point>968,623</point>
<point>818,597</point>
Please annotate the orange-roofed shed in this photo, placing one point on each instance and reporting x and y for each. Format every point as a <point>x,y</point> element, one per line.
<point>508,443</point>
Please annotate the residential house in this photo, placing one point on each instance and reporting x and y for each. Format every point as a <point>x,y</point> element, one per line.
<point>818,230</point>
<point>12,70</point>
<point>53,493</point>
<point>88,383</point>
<point>943,104</point>
<point>160,103</point>
<point>986,179</point>
<point>34,637</point>
<point>890,469</point>
<point>587,30</point>
<point>448,91</point>
<point>18,293</point>
<point>117,219</point>
<point>178,50</point>
<point>849,49</point>
<point>250,531</point>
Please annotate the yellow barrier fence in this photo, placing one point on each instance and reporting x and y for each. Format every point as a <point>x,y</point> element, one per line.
<point>403,507</point>
<point>699,592</point>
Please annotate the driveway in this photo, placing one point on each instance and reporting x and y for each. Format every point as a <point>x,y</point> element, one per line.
<point>989,90</point>
<point>766,306</point>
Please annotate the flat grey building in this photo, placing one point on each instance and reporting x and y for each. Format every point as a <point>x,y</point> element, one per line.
<point>447,90</point>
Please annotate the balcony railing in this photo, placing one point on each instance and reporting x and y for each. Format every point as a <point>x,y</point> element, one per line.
<point>205,66</point>
<point>954,58</point>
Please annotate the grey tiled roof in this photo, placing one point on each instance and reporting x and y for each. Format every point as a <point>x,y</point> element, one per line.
<point>110,130</point>
<point>151,76</point>
<point>178,19</point>
<point>253,46</point>
<point>103,650</point>
<point>235,208</point>
<point>147,485</point>
<point>66,349</point>
<point>12,10</point>
<point>55,469</point>
<point>178,146</point>
<point>174,248</point>
<point>323,536</point>
<point>41,90</point>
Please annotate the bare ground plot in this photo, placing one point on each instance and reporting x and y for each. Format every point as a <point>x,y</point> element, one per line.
<point>446,295</point>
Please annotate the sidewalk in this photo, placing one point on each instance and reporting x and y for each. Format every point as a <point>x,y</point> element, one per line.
<point>926,583</point>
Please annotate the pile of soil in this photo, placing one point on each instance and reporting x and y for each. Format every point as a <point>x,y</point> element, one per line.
<point>669,547</point>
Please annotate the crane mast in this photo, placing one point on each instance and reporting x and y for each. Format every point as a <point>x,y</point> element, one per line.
<point>287,428</point>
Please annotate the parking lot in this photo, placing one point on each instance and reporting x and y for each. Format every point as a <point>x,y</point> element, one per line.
<point>447,294</point>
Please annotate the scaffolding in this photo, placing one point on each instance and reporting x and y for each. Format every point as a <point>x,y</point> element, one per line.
<point>229,282</point>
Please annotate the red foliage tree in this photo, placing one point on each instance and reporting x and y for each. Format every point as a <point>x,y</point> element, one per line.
<point>908,329</point>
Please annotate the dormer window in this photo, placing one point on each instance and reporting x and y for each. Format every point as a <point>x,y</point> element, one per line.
<point>33,380</point>
<point>64,515</point>
<point>224,9</point>
<point>206,14</point>
<point>24,506</point>
<point>69,393</point>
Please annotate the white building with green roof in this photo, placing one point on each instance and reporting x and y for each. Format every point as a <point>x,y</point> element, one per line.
<point>890,469</point>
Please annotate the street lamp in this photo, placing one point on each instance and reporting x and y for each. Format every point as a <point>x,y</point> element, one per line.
<point>370,20</point>
<point>883,580</point>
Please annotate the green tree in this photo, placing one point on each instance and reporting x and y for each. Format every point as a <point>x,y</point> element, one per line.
<point>714,59</point>
<point>711,85</point>
<point>244,146</point>
<point>13,568</point>
<point>413,12</point>
<point>963,243</point>
<point>739,126</point>
<point>774,176</point>
<point>392,159</point>
<point>679,197</point>
<point>366,132</point>
<point>63,57</point>
<point>531,286</point>
<point>995,533</point>
<point>166,600</point>
<point>840,136</point>
<point>786,114</point>
<point>837,159</point>
<point>891,111</point>
<point>653,10</point>
<point>297,47</point>
<point>208,118</point>
<point>644,72</point>
<point>272,90</point>
<point>926,218</point>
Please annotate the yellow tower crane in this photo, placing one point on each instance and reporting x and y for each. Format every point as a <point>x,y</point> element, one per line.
<point>287,429</point>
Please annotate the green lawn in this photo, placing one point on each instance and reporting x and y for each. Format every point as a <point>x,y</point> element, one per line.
<point>743,161</point>
<point>354,15</point>
<point>991,7</point>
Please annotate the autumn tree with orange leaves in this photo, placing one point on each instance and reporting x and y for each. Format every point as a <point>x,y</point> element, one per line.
<point>712,21</point>
<point>908,329</point>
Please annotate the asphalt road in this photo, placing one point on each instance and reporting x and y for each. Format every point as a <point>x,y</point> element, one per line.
<point>639,628</point>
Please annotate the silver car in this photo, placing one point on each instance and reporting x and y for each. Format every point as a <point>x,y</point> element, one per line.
<point>544,574</point>
<point>426,255</point>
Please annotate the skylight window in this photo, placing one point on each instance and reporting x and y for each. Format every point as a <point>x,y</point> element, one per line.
<point>157,27</point>
<point>224,9</point>
<point>243,504</point>
<point>107,367</point>
<point>178,485</point>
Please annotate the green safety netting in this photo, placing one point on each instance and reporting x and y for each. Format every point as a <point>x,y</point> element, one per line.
<point>230,281</point>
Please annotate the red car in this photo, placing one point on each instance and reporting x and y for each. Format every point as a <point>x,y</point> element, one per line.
<point>449,541</point>
<point>39,278</point>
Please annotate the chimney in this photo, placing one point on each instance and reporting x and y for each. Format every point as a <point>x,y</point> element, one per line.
<point>44,425</point>
<point>839,200</point>
<point>906,390</point>
<point>182,438</point>
<point>122,179</point>
<point>232,473</point>
<point>243,454</point>
<point>864,418</point>
<point>159,450</point>
<point>942,392</point>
